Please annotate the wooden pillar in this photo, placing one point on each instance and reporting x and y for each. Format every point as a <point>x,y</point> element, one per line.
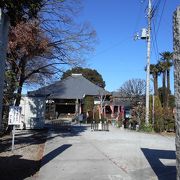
<point>104,111</point>
<point>122,111</point>
<point>77,107</point>
<point>112,109</point>
<point>119,110</point>
<point>80,107</point>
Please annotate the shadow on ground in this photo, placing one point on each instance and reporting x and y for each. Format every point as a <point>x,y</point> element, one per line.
<point>23,138</point>
<point>154,157</point>
<point>23,168</point>
<point>12,164</point>
<point>32,137</point>
<point>74,130</point>
<point>15,167</point>
<point>54,153</point>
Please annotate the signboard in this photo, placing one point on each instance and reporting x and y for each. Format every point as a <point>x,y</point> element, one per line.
<point>97,102</point>
<point>14,115</point>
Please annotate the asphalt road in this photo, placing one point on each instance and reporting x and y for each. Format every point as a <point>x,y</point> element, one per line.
<point>115,155</point>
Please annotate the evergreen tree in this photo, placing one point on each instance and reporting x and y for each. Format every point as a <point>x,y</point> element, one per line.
<point>166,59</point>
<point>90,74</point>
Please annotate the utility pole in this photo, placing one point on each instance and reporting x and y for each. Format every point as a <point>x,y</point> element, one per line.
<point>148,60</point>
<point>146,35</point>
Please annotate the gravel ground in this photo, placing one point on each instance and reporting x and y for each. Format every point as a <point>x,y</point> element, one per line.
<point>25,160</point>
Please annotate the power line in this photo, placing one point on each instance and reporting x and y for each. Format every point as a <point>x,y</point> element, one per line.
<point>155,9</point>
<point>154,40</point>
<point>161,17</point>
<point>112,46</point>
<point>155,30</point>
<point>139,16</point>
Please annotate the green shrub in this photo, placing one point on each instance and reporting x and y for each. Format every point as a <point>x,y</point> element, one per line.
<point>169,120</point>
<point>88,104</point>
<point>159,125</point>
<point>119,123</point>
<point>146,128</point>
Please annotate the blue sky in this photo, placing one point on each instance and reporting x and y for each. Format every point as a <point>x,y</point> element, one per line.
<point>118,57</point>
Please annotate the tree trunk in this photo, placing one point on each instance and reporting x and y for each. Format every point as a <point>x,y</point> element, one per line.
<point>168,87</point>
<point>177,85</point>
<point>21,81</point>
<point>19,93</point>
<point>156,84</point>
<point>164,89</point>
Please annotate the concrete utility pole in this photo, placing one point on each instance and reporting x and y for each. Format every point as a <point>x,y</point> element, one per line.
<point>4,25</point>
<point>176,38</point>
<point>148,60</point>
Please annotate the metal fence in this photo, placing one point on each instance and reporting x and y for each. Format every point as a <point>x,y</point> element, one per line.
<point>102,126</point>
<point>62,125</point>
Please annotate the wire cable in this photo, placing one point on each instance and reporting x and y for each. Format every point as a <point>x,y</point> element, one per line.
<point>156,8</point>
<point>154,30</point>
<point>154,39</point>
<point>138,17</point>
<point>112,46</point>
<point>161,17</point>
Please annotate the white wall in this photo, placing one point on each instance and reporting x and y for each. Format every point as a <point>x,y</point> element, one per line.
<point>33,112</point>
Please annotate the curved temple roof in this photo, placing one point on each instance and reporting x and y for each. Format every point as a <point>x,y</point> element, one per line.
<point>73,87</point>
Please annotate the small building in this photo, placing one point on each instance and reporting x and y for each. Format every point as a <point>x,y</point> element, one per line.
<point>65,97</point>
<point>122,104</point>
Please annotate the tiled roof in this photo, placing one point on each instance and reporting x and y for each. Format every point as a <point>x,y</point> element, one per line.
<point>73,87</point>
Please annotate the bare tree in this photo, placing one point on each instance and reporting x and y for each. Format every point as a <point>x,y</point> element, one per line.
<point>71,40</point>
<point>26,43</point>
<point>133,89</point>
<point>39,48</point>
